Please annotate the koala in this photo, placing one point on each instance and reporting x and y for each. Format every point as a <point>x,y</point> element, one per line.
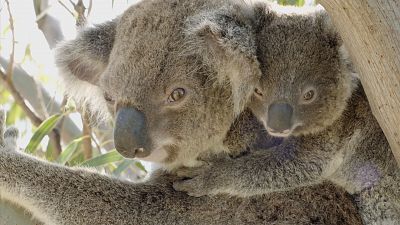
<point>310,96</point>
<point>157,69</point>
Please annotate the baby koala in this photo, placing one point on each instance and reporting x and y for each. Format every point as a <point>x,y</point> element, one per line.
<point>309,96</point>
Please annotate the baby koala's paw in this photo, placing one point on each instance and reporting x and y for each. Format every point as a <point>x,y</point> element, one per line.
<point>207,179</point>
<point>9,136</point>
<point>195,181</point>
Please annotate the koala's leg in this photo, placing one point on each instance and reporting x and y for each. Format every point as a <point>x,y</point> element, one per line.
<point>380,204</point>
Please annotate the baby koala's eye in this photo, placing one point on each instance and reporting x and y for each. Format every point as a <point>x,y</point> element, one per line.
<point>309,96</point>
<point>176,95</point>
<point>108,98</point>
<point>258,92</point>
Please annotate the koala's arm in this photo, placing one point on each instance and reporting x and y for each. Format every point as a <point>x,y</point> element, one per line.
<point>292,164</point>
<point>60,195</point>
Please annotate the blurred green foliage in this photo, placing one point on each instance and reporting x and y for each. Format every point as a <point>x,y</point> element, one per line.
<point>292,2</point>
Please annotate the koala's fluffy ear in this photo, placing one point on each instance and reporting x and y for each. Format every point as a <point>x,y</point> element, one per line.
<point>81,62</point>
<point>86,57</point>
<point>332,37</point>
<point>225,40</point>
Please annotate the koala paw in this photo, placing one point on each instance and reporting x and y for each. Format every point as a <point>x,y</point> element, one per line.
<point>9,136</point>
<point>197,181</point>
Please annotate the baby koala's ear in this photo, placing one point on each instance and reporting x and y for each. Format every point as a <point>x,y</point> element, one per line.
<point>225,40</point>
<point>326,29</point>
<point>329,33</point>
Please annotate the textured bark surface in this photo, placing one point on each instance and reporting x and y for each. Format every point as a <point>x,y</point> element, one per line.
<point>371,32</point>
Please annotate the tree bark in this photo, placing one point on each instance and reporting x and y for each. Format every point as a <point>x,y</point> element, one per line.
<point>371,32</point>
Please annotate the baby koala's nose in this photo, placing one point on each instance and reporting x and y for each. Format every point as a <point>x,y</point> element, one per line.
<point>280,118</point>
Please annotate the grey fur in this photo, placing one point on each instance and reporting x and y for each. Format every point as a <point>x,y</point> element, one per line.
<point>149,55</point>
<point>335,137</point>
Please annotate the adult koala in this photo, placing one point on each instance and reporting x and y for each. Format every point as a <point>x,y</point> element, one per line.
<point>169,109</point>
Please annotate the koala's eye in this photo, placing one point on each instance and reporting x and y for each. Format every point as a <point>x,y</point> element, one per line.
<point>108,98</point>
<point>176,95</point>
<point>258,92</point>
<point>309,95</point>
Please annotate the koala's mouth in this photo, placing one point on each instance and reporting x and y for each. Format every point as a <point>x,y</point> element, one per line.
<point>157,155</point>
<point>283,133</point>
<point>164,153</point>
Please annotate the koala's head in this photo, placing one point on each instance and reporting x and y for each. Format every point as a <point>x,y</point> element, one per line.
<point>155,69</point>
<point>305,82</point>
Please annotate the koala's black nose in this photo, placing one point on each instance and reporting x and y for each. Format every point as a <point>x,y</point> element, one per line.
<point>130,133</point>
<point>280,117</point>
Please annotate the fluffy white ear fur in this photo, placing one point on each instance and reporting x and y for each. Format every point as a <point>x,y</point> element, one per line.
<point>329,29</point>
<point>85,94</point>
<point>225,40</point>
<point>82,61</point>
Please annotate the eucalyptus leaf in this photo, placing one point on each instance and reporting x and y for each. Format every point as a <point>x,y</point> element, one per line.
<point>140,166</point>
<point>42,131</point>
<point>121,167</point>
<point>69,151</point>
<point>101,160</point>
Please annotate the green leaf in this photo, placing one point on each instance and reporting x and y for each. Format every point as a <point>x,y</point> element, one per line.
<point>14,114</point>
<point>300,2</point>
<point>140,166</point>
<point>282,2</point>
<point>76,159</point>
<point>121,167</point>
<point>109,157</point>
<point>49,152</point>
<point>6,29</point>
<point>5,96</point>
<point>42,131</point>
<point>69,151</point>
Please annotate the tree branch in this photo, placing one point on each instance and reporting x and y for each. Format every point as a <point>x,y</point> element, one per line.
<point>371,32</point>
<point>8,83</point>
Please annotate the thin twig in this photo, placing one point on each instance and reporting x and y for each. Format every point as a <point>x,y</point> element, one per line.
<point>96,143</point>
<point>10,67</point>
<point>20,100</point>
<point>6,77</point>
<point>66,7</point>
<point>86,131</point>
<point>80,10</point>
<point>90,8</point>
